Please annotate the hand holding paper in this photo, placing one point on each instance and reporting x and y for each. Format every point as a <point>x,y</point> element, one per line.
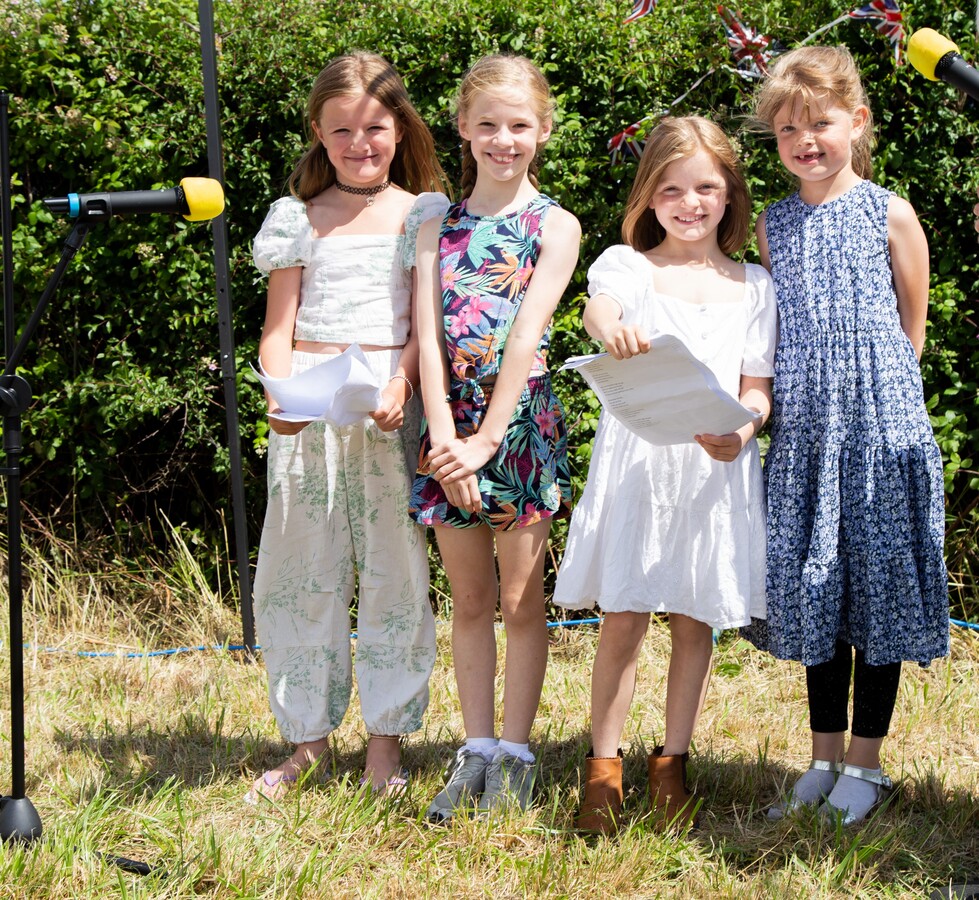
<point>341,390</point>
<point>665,396</point>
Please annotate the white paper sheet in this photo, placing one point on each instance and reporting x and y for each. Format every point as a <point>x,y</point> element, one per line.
<point>341,390</point>
<point>665,396</point>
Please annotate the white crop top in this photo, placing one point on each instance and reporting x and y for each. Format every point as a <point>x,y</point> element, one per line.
<point>355,287</point>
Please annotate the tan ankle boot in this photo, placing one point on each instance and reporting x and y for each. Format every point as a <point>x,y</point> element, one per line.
<point>602,805</point>
<point>671,800</point>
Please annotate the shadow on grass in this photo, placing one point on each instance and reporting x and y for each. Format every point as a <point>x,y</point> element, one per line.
<point>924,828</point>
<point>921,828</point>
<point>196,756</point>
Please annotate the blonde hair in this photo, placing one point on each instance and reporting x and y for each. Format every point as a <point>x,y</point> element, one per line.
<point>813,75</point>
<point>502,74</point>
<point>415,167</point>
<point>670,141</point>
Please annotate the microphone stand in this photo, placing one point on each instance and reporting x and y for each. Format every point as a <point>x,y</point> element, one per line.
<point>19,820</point>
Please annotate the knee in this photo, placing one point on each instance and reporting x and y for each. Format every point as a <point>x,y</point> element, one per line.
<point>624,632</point>
<point>520,613</point>
<point>690,632</point>
<point>473,607</point>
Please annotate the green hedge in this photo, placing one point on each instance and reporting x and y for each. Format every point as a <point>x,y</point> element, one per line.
<point>106,95</point>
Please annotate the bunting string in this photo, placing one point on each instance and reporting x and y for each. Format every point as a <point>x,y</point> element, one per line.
<point>752,51</point>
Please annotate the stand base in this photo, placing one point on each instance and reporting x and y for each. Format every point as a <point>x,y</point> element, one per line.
<point>19,820</point>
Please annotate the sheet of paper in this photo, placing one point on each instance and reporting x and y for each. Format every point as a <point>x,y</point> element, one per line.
<point>341,390</point>
<point>665,396</point>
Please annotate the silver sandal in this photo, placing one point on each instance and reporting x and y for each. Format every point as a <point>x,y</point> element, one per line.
<point>883,786</point>
<point>791,803</point>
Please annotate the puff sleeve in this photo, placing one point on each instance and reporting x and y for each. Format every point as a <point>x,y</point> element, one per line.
<point>617,273</point>
<point>426,206</point>
<point>285,238</point>
<point>761,335</point>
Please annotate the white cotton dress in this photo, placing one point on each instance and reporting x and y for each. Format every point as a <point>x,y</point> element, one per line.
<point>668,529</point>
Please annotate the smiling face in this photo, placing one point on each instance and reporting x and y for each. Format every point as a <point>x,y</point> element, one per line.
<point>815,142</point>
<point>504,134</point>
<point>691,198</point>
<point>360,135</point>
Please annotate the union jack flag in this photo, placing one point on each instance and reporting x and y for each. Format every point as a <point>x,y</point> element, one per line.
<point>751,49</point>
<point>626,142</point>
<point>639,9</point>
<point>891,23</point>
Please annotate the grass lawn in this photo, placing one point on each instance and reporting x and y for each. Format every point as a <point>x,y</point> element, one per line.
<point>148,758</point>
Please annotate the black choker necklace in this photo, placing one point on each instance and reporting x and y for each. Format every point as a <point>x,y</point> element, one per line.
<point>369,192</point>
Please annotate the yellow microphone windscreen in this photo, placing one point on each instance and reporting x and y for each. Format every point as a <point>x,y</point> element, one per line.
<point>926,48</point>
<point>205,198</point>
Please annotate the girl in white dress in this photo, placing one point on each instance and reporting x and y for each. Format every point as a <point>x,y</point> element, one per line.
<point>677,529</point>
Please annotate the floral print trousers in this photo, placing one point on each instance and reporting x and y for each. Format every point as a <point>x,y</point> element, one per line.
<point>337,517</point>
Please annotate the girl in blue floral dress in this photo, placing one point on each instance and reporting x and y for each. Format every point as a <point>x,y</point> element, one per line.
<point>493,468</point>
<point>855,491</point>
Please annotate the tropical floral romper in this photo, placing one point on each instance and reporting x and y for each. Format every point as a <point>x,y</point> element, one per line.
<point>486,264</point>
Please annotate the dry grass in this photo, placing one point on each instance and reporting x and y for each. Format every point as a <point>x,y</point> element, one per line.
<point>148,758</point>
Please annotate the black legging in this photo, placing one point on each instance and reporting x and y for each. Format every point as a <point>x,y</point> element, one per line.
<point>874,694</point>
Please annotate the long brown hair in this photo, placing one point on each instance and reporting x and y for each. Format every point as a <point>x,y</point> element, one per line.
<point>415,166</point>
<point>496,74</point>
<point>670,141</point>
<point>813,75</point>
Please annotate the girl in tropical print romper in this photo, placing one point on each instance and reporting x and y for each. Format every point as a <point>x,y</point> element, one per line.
<point>493,470</point>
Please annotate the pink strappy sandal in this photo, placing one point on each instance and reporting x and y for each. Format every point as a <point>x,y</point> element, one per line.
<point>274,785</point>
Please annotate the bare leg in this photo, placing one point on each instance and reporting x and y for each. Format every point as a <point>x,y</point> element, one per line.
<point>383,758</point>
<point>521,555</point>
<point>828,745</point>
<point>468,560</point>
<point>686,686</point>
<point>613,679</point>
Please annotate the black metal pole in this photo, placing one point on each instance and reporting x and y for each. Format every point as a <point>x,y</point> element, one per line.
<point>19,820</point>
<point>6,226</point>
<point>219,231</point>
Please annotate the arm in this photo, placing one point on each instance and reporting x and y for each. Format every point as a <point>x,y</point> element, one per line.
<point>458,459</point>
<point>756,394</point>
<point>390,412</point>
<point>275,345</point>
<point>909,263</point>
<point>603,321</point>
<point>433,364</point>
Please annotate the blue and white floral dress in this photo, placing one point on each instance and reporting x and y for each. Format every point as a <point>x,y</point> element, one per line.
<point>854,476</point>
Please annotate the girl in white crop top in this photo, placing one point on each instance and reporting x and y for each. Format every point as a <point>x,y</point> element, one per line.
<point>340,255</point>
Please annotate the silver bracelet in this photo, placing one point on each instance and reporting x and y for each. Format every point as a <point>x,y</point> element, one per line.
<point>411,390</point>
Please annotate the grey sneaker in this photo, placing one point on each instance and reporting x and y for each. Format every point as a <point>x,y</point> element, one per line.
<point>465,779</point>
<point>509,784</point>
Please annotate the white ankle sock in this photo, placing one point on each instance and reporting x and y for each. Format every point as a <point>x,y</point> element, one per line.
<point>521,751</point>
<point>813,786</point>
<point>853,795</point>
<point>485,747</point>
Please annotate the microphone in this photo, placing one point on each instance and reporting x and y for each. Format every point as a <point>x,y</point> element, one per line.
<point>936,57</point>
<point>196,199</point>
